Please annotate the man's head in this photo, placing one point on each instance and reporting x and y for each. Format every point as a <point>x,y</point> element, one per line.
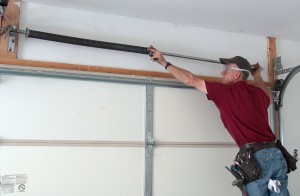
<point>238,64</point>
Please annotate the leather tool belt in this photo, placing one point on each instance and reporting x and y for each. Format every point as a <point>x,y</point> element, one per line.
<point>254,147</point>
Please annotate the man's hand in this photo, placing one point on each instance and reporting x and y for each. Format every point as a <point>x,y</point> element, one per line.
<point>256,70</point>
<point>181,74</point>
<point>155,55</point>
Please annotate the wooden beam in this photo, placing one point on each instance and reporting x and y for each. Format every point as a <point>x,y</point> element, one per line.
<point>99,69</point>
<point>271,62</point>
<point>93,69</point>
<point>11,17</point>
<point>271,59</point>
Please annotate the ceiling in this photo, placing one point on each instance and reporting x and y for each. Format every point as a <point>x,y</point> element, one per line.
<point>276,18</point>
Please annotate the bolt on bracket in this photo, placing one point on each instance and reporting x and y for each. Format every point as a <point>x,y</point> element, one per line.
<point>11,39</point>
<point>279,68</point>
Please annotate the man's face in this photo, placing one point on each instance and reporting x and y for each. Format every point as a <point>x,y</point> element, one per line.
<point>229,75</point>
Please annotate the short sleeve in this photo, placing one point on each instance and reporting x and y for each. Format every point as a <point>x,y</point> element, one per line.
<point>216,92</point>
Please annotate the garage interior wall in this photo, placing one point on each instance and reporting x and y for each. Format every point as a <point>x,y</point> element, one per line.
<point>34,108</point>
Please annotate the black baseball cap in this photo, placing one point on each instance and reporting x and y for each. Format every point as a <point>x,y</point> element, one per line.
<point>241,62</point>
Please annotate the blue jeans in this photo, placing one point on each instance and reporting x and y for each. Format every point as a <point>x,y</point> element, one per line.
<point>273,166</point>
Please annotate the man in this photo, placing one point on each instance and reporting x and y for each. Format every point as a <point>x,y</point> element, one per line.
<point>243,110</point>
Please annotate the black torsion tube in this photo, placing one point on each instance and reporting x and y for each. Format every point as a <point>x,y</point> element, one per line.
<point>101,44</point>
<point>85,42</point>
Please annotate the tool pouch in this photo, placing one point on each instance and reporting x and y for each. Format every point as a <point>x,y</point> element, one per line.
<point>245,168</point>
<point>290,160</point>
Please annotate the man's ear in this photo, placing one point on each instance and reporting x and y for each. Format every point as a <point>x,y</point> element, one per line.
<point>237,74</point>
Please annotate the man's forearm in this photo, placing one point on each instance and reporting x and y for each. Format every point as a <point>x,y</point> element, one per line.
<point>187,77</point>
<point>181,74</point>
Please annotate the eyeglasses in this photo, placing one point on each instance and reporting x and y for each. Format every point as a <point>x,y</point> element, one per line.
<point>226,69</point>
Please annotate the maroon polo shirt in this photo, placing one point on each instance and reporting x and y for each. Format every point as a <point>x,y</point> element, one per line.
<point>243,111</point>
